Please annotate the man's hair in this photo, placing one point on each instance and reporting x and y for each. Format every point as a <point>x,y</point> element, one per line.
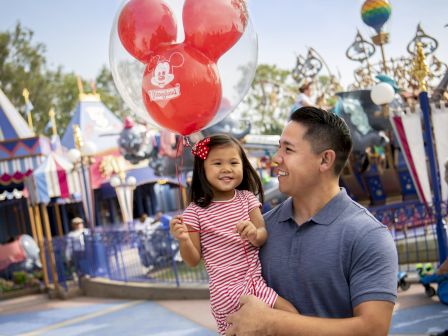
<point>325,130</point>
<point>201,192</point>
<point>76,221</point>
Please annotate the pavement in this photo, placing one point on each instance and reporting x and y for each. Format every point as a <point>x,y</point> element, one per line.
<point>415,314</point>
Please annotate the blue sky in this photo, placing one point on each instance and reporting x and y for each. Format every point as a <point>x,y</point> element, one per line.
<point>76,33</point>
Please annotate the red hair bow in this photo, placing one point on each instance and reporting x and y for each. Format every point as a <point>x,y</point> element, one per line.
<point>201,149</point>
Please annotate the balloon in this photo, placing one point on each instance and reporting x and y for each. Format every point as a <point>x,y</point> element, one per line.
<point>214,26</point>
<point>375,13</point>
<point>236,68</point>
<point>145,25</point>
<point>181,89</point>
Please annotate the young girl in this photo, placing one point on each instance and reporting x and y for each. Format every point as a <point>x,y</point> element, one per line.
<point>224,225</point>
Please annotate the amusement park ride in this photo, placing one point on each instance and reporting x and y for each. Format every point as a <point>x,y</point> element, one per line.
<point>396,168</point>
<point>393,168</point>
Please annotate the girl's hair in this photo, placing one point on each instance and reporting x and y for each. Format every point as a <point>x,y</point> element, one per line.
<point>201,192</point>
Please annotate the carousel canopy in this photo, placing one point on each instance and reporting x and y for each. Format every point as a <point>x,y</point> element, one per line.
<point>12,125</point>
<point>97,123</point>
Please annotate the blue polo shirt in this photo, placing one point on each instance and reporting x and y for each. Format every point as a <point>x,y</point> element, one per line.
<point>339,258</point>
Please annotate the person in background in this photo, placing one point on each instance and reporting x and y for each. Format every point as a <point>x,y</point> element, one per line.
<point>326,254</point>
<point>304,97</point>
<point>75,248</point>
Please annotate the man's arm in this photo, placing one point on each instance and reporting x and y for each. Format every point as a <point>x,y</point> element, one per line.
<point>256,318</point>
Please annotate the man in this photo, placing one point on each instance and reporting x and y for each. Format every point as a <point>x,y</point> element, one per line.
<point>325,253</point>
<point>74,251</point>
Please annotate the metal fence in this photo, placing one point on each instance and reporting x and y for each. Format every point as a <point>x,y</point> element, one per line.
<point>153,255</point>
<point>137,256</point>
<point>412,225</point>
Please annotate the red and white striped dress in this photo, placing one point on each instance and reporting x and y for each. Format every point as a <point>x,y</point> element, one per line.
<point>232,264</point>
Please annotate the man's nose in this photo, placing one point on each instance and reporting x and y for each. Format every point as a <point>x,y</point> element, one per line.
<point>277,158</point>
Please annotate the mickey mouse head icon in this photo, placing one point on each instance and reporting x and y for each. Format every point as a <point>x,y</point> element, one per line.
<point>163,71</point>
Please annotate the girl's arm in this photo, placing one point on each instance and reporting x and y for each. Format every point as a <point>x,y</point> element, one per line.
<point>190,249</point>
<point>254,230</point>
<point>257,219</point>
<point>189,242</point>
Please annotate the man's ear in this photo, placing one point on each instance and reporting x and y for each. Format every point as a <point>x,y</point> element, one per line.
<point>328,157</point>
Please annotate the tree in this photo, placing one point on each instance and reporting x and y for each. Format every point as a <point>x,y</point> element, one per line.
<point>109,94</point>
<point>269,100</point>
<point>23,65</point>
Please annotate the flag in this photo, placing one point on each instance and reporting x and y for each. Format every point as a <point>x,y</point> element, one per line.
<point>48,126</point>
<point>28,107</point>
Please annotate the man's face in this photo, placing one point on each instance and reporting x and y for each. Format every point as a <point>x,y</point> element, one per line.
<point>298,165</point>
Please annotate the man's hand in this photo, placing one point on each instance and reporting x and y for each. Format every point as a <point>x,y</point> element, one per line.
<point>250,319</point>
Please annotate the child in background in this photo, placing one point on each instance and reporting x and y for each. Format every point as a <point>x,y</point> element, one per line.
<point>224,225</point>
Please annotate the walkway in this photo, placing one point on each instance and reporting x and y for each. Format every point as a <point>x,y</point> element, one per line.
<point>36,315</point>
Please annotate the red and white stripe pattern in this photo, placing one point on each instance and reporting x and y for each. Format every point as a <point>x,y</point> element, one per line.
<point>232,264</point>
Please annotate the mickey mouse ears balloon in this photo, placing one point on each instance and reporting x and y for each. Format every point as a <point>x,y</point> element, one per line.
<point>183,65</point>
<point>140,33</point>
<point>221,24</point>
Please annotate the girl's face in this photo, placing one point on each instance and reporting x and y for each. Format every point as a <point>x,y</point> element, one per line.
<point>224,171</point>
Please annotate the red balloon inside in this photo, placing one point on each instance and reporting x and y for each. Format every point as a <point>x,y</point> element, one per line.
<point>214,26</point>
<point>181,89</point>
<point>144,26</point>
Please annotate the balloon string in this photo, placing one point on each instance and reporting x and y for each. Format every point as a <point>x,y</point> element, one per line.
<point>179,165</point>
<point>246,256</point>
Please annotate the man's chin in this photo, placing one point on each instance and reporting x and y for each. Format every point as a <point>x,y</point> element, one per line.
<point>282,188</point>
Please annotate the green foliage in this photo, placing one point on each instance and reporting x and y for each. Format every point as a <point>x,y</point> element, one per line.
<point>269,100</point>
<point>23,64</point>
<point>109,94</point>
<point>19,278</point>
<point>6,285</point>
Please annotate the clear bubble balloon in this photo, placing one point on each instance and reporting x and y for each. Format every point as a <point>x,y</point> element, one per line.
<point>235,67</point>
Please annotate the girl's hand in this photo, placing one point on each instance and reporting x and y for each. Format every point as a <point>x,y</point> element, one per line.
<point>178,229</point>
<point>247,231</point>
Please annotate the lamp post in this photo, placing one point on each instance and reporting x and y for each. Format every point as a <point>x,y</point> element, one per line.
<point>421,72</point>
<point>382,94</point>
<point>124,188</point>
<point>82,158</point>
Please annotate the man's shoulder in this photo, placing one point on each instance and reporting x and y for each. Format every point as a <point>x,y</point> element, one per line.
<point>273,214</point>
<point>360,211</point>
<point>358,220</point>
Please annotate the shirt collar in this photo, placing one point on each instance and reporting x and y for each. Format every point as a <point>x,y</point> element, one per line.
<point>326,215</point>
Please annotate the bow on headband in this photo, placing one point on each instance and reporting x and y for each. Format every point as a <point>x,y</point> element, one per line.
<point>201,149</point>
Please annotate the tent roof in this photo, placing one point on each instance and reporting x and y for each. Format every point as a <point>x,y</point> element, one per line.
<point>55,178</point>
<point>12,124</point>
<point>97,123</point>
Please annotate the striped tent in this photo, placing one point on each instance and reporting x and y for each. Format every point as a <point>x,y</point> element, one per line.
<point>55,177</point>
<point>408,128</point>
<point>20,150</point>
